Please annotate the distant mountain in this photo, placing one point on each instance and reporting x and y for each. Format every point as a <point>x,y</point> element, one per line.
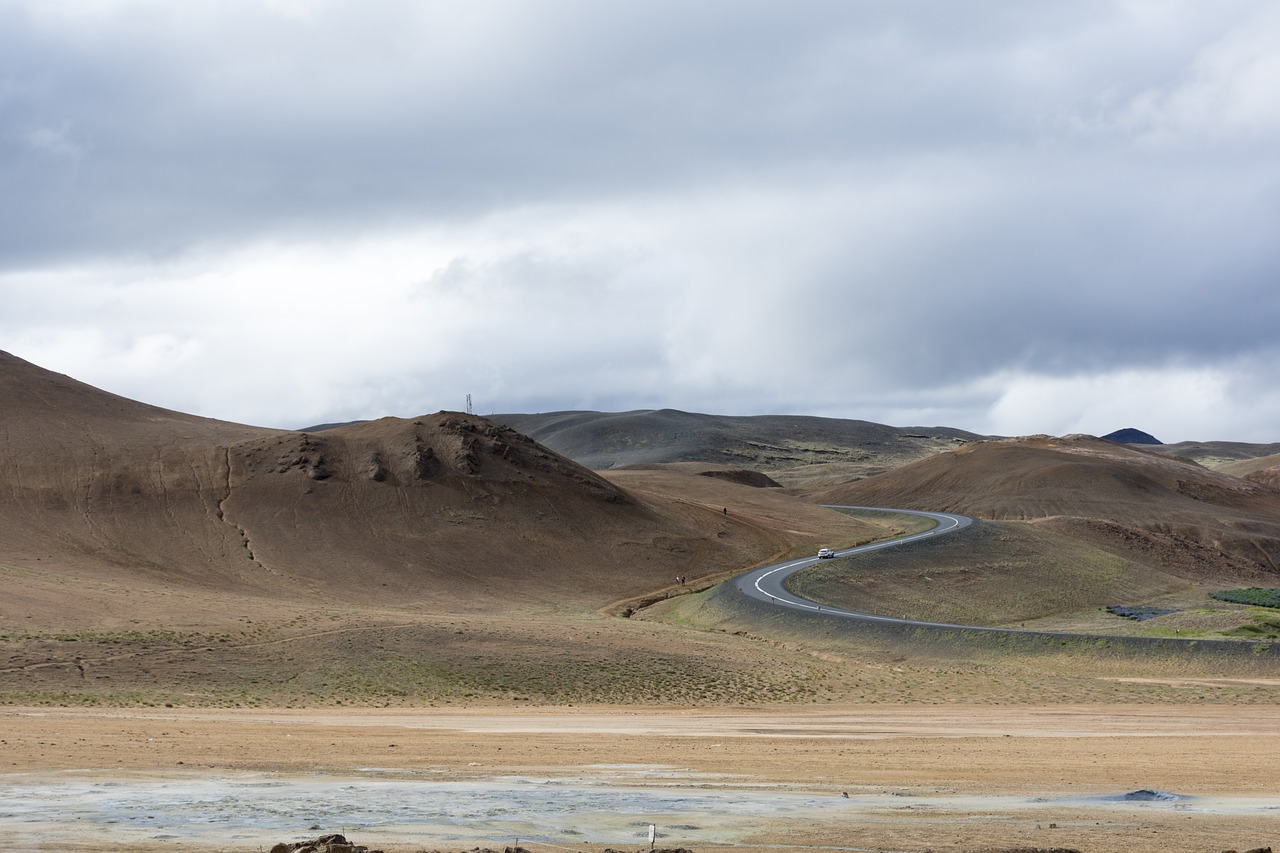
<point>810,449</point>
<point>1218,455</point>
<point>1130,435</point>
<point>334,425</point>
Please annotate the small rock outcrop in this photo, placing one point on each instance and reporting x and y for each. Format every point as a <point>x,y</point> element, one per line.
<point>335,843</point>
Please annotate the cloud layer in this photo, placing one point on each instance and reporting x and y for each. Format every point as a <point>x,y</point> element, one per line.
<point>1050,217</point>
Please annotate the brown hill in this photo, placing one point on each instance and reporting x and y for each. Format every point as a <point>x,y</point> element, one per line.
<point>1260,469</point>
<point>448,510</point>
<point>1135,498</point>
<point>1218,455</point>
<point>797,451</point>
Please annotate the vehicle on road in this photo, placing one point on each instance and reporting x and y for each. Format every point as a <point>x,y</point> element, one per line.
<point>825,553</point>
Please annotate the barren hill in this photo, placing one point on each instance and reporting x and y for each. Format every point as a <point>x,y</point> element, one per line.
<point>448,509</point>
<point>795,450</point>
<point>1135,498</point>
<point>1218,455</point>
<point>1261,469</point>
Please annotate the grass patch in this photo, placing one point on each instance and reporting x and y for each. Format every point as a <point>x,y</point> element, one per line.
<point>894,523</point>
<point>1255,596</point>
<point>994,573</point>
<point>1263,627</point>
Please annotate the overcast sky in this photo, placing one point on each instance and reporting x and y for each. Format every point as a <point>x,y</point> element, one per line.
<point>1008,217</point>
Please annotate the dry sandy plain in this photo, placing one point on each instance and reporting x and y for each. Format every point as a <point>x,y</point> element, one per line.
<point>972,777</point>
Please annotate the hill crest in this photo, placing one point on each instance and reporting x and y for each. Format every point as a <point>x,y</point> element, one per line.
<point>1129,435</point>
<point>809,449</point>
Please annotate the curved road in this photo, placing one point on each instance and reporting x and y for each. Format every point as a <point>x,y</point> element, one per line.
<point>767,583</point>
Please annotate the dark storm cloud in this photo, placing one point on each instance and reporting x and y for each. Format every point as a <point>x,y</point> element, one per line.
<point>1123,266</point>
<point>167,124</point>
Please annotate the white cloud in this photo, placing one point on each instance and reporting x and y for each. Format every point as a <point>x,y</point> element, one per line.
<point>1225,90</point>
<point>56,141</point>
<point>1173,403</point>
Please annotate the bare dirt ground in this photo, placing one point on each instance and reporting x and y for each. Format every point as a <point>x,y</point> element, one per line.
<point>916,778</point>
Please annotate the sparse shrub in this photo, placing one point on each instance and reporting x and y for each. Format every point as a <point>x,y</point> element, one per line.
<point>1138,612</point>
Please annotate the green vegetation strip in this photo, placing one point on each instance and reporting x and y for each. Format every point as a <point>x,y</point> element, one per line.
<point>1255,596</point>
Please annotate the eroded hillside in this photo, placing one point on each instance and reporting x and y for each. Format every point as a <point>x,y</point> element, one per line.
<point>448,509</point>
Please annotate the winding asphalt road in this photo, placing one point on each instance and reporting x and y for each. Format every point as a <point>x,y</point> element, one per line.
<point>767,583</point>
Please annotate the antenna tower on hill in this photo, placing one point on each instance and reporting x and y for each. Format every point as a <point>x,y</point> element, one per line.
<point>470,411</point>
